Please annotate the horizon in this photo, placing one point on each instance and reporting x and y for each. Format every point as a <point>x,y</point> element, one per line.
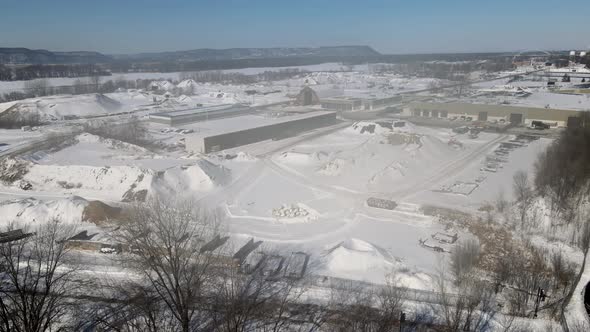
<point>294,47</point>
<point>421,27</point>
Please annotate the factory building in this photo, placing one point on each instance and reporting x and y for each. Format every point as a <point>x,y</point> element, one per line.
<point>481,112</point>
<point>180,117</point>
<point>228,133</point>
<point>342,104</point>
<point>359,102</point>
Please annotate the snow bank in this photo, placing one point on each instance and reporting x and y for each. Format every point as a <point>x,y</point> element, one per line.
<point>335,167</point>
<point>31,210</point>
<point>113,182</point>
<point>189,83</point>
<point>245,157</point>
<point>370,128</point>
<point>123,182</point>
<point>110,143</point>
<point>302,158</point>
<point>200,177</point>
<point>162,85</point>
<point>357,259</point>
<point>184,99</point>
<point>59,107</point>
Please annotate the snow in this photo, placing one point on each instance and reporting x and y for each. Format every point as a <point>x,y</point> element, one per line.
<point>306,193</point>
<point>108,169</point>
<point>64,106</point>
<point>162,85</point>
<point>352,256</point>
<point>113,182</point>
<point>32,211</point>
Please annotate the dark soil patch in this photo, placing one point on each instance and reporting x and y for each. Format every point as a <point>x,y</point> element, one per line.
<point>100,213</point>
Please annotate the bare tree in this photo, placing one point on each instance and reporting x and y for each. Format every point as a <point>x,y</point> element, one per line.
<point>561,171</point>
<point>523,193</point>
<point>471,308</point>
<point>501,203</point>
<point>390,300</point>
<point>95,82</point>
<point>254,302</point>
<point>166,238</point>
<point>36,280</point>
<point>133,307</point>
<point>133,131</point>
<point>584,244</point>
<point>359,307</point>
<point>463,258</point>
<point>38,87</point>
<point>352,307</point>
<point>79,87</point>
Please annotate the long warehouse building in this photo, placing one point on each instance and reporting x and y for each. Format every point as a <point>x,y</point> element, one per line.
<point>228,133</point>
<point>516,115</point>
<point>180,117</point>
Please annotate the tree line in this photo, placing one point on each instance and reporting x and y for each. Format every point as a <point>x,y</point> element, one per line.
<point>30,72</point>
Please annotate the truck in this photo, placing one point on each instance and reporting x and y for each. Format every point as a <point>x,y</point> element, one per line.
<point>540,125</point>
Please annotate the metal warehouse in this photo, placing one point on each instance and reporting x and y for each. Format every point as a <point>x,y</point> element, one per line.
<point>481,112</point>
<point>342,104</point>
<point>359,102</point>
<point>228,133</point>
<point>180,117</point>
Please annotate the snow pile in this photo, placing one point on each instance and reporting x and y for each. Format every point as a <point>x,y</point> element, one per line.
<point>115,182</point>
<point>184,99</point>
<point>7,105</point>
<point>371,128</point>
<point>31,210</point>
<point>130,97</point>
<point>303,158</point>
<point>60,107</point>
<point>110,143</point>
<point>111,181</point>
<point>403,138</point>
<point>161,85</point>
<point>357,259</point>
<point>295,213</point>
<point>243,156</point>
<point>393,172</point>
<point>187,84</point>
<point>334,167</point>
<point>200,177</point>
<point>12,169</point>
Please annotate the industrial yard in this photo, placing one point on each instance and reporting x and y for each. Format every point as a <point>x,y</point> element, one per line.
<point>295,177</point>
<point>336,183</point>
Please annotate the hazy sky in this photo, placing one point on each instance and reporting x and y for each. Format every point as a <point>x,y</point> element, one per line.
<point>390,26</point>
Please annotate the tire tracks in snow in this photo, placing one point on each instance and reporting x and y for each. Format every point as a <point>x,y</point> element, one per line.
<point>448,170</point>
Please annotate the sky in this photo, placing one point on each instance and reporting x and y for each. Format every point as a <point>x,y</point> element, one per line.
<point>389,26</point>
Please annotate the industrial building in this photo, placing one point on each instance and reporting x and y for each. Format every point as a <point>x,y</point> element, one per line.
<point>481,112</point>
<point>228,133</point>
<point>180,117</point>
<point>342,104</point>
<point>357,101</point>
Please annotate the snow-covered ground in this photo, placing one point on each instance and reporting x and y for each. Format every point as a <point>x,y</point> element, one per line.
<point>310,195</point>
<point>8,86</point>
<point>303,193</point>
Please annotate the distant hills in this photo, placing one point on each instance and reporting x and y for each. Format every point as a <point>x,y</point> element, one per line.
<point>28,56</point>
<point>253,53</point>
